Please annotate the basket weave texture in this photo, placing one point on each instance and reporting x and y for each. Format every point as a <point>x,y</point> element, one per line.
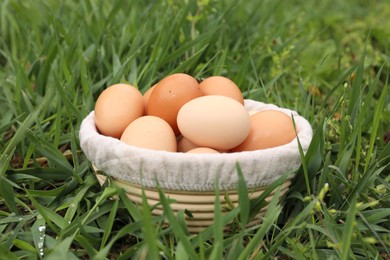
<point>194,172</point>
<point>200,204</point>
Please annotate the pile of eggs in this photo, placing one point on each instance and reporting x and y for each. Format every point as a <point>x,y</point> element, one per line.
<point>179,114</point>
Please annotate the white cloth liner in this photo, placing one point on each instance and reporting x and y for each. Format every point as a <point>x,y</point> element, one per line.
<point>194,172</point>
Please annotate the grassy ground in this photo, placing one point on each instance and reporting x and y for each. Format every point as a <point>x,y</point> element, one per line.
<point>328,60</point>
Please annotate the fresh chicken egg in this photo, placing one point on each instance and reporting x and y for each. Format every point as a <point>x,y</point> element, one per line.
<point>269,129</point>
<point>150,132</point>
<point>170,94</point>
<point>116,107</point>
<point>219,85</point>
<point>214,121</point>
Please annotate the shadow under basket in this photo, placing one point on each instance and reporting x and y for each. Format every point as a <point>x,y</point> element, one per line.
<point>201,204</point>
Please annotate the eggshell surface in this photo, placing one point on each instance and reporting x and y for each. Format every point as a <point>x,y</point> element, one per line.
<point>214,121</point>
<point>219,85</point>
<point>147,94</point>
<point>170,94</point>
<point>116,107</point>
<point>184,145</point>
<point>150,132</point>
<point>202,150</point>
<point>269,129</point>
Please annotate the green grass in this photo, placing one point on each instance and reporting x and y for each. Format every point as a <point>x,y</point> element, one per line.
<point>328,60</point>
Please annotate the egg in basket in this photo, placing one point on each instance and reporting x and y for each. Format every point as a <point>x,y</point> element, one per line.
<point>187,138</point>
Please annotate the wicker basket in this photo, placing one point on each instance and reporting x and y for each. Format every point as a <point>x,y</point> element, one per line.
<point>190,179</point>
<point>200,204</point>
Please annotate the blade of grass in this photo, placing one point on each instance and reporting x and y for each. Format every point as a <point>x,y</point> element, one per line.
<point>48,215</point>
<point>269,220</point>
<point>37,232</point>
<point>371,227</point>
<point>176,228</point>
<point>61,250</point>
<point>260,202</point>
<point>72,209</point>
<point>72,230</point>
<point>8,194</point>
<point>333,231</point>
<point>148,229</point>
<point>109,224</point>
<point>7,152</point>
<point>375,125</point>
<point>68,188</point>
<point>313,157</point>
<point>236,247</point>
<point>217,252</point>
<point>52,50</point>
<point>52,153</point>
<point>88,245</point>
<point>303,159</point>
<point>243,198</point>
<point>130,206</point>
<point>133,252</point>
<point>348,230</point>
<point>180,251</point>
<point>131,228</point>
<point>24,246</point>
<point>364,183</point>
<point>6,254</point>
<point>9,241</point>
<point>289,227</point>
<point>201,254</point>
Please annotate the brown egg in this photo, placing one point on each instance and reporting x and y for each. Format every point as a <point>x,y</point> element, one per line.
<point>184,145</point>
<point>202,150</point>
<point>170,94</point>
<point>147,96</point>
<point>219,85</point>
<point>150,132</point>
<point>116,107</point>
<point>269,129</point>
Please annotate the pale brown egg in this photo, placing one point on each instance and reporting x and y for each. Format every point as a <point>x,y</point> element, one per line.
<point>202,150</point>
<point>146,96</point>
<point>213,121</point>
<point>150,132</point>
<point>116,107</point>
<point>170,94</point>
<point>184,145</point>
<point>269,129</point>
<point>219,85</point>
